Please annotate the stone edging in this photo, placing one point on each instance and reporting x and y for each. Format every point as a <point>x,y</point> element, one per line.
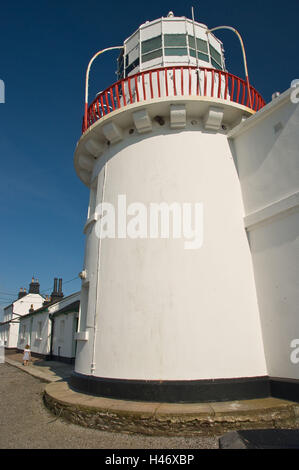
<point>160,419</point>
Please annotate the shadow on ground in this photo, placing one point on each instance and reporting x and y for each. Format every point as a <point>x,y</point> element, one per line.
<point>54,369</point>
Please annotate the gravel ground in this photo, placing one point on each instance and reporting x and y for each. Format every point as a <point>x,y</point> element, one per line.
<point>26,424</point>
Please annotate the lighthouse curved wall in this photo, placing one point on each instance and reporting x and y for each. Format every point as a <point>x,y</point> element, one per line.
<point>157,311</point>
<point>168,318</point>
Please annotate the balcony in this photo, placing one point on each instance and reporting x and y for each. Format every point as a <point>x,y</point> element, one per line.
<point>165,83</point>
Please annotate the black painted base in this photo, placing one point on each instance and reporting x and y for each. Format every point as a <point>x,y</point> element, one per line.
<point>67,360</point>
<point>286,389</point>
<point>193,391</point>
<point>47,357</point>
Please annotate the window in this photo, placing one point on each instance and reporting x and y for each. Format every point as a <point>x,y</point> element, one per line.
<point>151,48</point>
<point>216,57</point>
<point>175,40</point>
<point>200,55</point>
<point>132,66</point>
<point>202,45</point>
<point>151,44</point>
<point>214,63</point>
<point>202,48</point>
<point>175,44</point>
<point>176,51</point>
<point>152,55</point>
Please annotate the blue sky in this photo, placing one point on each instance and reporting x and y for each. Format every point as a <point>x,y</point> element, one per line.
<point>44,50</point>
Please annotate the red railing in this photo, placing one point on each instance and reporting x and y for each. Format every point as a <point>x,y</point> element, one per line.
<point>172,81</point>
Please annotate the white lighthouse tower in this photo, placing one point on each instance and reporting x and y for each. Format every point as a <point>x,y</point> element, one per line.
<point>166,317</point>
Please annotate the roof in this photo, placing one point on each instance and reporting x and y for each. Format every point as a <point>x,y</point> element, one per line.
<point>67,308</point>
<point>14,301</point>
<point>12,320</point>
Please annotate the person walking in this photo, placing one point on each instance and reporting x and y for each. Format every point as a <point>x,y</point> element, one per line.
<point>27,355</point>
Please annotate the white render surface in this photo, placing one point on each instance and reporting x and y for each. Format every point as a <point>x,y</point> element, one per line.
<point>9,332</point>
<point>63,340</point>
<point>152,309</point>
<point>35,329</point>
<point>266,152</point>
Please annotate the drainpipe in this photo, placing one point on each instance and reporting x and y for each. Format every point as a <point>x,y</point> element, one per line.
<point>52,320</point>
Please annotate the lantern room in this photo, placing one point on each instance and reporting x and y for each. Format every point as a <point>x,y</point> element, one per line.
<point>170,41</point>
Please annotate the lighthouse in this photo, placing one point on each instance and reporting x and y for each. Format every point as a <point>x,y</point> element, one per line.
<point>169,309</point>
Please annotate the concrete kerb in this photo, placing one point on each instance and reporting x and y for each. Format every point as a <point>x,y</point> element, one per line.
<point>167,419</point>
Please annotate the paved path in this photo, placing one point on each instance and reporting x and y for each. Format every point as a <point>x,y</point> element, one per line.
<point>47,371</point>
<point>25,423</point>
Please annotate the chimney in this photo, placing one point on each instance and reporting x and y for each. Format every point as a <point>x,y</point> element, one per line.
<point>60,288</point>
<point>47,300</point>
<point>57,293</point>
<point>34,286</point>
<point>21,293</point>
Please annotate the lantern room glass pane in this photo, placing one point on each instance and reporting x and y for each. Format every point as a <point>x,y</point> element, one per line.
<point>152,55</point>
<point>175,40</point>
<point>201,44</point>
<point>132,66</point>
<point>176,51</point>
<point>215,55</point>
<point>151,44</point>
<point>200,55</point>
<point>215,64</point>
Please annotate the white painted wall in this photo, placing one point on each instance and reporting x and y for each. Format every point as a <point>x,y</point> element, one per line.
<point>38,329</point>
<point>19,307</point>
<point>63,340</point>
<point>39,322</point>
<point>162,312</point>
<point>266,151</point>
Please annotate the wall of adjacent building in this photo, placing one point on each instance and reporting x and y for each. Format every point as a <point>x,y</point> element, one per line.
<point>63,338</point>
<point>266,155</point>
<point>37,333</point>
<point>20,307</point>
<point>35,329</point>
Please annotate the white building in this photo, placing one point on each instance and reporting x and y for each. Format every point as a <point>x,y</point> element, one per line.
<point>159,322</point>
<point>265,148</point>
<point>50,330</point>
<point>9,328</point>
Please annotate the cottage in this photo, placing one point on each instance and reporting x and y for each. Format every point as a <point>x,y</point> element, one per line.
<point>50,329</point>
<point>9,328</point>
